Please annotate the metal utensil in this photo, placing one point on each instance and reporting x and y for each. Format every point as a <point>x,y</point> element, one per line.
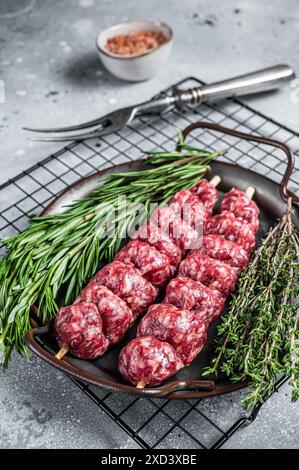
<point>256,82</point>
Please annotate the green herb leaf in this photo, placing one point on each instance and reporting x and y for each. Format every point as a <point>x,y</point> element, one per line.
<point>258,338</point>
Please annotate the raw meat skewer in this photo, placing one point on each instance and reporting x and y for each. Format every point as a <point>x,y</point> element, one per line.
<point>242,206</point>
<point>168,323</point>
<point>125,288</point>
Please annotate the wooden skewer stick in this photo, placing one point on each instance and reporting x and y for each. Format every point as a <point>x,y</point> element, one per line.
<point>62,352</point>
<point>141,384</point>
<point>250,192</point>
<point>215,180</point>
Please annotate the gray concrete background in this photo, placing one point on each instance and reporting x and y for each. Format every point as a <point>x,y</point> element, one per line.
<point>52,75</point>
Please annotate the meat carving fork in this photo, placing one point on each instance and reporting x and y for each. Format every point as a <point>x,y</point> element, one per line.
<point>262,80</point>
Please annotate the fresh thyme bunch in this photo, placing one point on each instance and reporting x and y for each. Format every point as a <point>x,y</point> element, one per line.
<point>258,338</point>
<point>64,250</point>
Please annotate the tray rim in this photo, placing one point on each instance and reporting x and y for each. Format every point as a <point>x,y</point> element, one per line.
<point>175,389</point>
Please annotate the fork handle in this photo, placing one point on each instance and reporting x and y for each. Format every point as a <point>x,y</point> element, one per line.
<point>263,80</point>
<point>158,104</point>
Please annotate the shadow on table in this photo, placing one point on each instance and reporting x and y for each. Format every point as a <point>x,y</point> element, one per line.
<point>88,71</point>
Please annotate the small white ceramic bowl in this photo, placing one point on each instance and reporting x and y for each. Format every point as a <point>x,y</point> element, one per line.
<point>135,68</point>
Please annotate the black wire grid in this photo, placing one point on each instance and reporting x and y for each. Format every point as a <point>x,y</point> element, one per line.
<point>156,423</point>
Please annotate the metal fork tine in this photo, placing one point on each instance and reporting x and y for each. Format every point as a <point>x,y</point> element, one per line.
<point>73,137</point>
<point>112,122</point>
<point>85,125</point>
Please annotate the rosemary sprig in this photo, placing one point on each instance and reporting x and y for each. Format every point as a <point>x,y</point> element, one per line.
<point>258,338</point>
<point>64,250</point>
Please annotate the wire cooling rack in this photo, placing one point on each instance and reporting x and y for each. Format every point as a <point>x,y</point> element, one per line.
<point>154,423</point>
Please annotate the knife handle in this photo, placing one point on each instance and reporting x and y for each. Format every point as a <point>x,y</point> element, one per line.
<point>263,80</point>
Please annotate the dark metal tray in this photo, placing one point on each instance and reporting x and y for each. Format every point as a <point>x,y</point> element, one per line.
<point>154,423</point>
<point>188,383</point>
